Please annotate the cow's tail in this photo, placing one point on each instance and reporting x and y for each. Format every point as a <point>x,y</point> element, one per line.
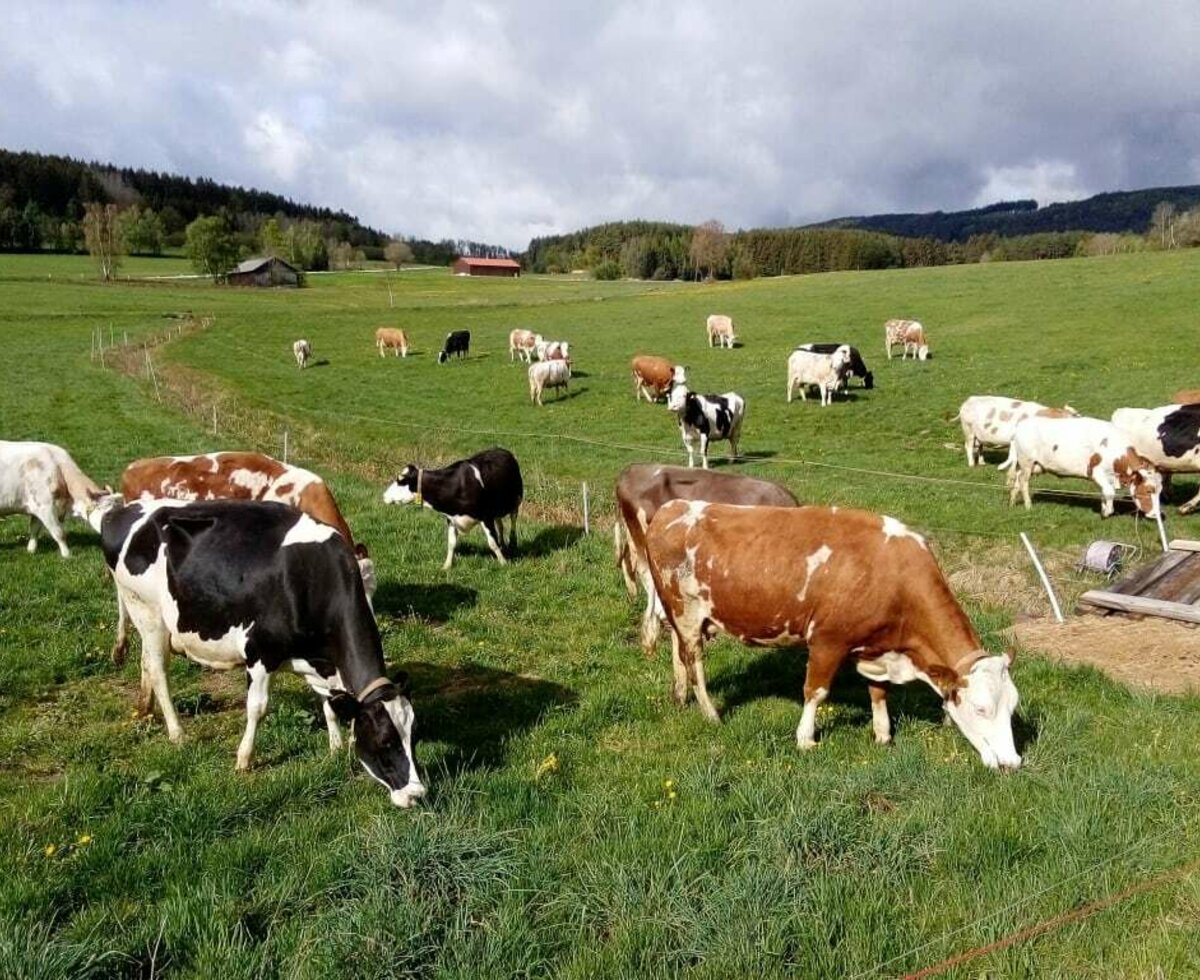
<point>1012,456</point>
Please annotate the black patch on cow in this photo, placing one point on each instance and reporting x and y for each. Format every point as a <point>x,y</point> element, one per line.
<point>858,366</point>
<point>693,414</point>
<point>1179,431</point>
<point>380,746</point>
<point>114,529</point>
<point>457,342</point>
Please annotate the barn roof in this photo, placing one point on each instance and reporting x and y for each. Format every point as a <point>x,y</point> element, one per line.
<point>253,265</point>
<point>491,263</point>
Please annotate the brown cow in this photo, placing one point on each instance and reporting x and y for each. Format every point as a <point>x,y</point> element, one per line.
<point>236,476</point>
<point>523,344</point>
<point>391,338</point>
<point>653,376</point>
<point>844,583</point>
<point>642,488</point>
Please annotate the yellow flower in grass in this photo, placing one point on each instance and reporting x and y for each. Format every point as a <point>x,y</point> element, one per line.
<point>50,850</point>
<point>547,765</point>
<point>84,839</point>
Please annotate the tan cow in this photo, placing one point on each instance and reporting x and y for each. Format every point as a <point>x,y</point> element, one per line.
<point>654,376</point>
<point>1189,396</point>
<point>720,330</point>
<point>642,488</point>
<point>910,335</point>
<point>847,584</point>
<point>523,344</point>
<point>393,339</point>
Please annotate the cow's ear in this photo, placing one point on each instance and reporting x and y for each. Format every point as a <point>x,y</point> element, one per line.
<point>403,685</point>
<point>946,680</point>
<point>344,706</point>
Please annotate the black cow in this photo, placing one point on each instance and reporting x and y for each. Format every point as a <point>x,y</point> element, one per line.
<point>711,417</point>
<point>457,342</point>
<point>484,489</point>
<point>857,366</point>
<point>260,585</point>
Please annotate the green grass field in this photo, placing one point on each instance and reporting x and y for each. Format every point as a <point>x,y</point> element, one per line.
<point>579,824</point>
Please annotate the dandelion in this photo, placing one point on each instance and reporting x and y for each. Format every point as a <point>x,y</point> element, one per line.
<point>547,765</point>
<point>50,850</point>
<point>671,794</point>
<point>668,784</point>
<point>84,839</point>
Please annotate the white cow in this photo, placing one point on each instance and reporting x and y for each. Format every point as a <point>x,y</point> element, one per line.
<point>43,481</point>
<point>989,420</point>
<point>552,350</point>
<point>720,330</point>
<point>1168,436</point>
<point>1082,447</point>
<point>303,351</point>
<point>908,333</point>
<point>547,374</point>
<point>827,371</point>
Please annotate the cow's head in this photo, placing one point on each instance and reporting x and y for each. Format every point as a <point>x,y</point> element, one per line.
<point>403,490</point>
<point>97,505</point>
<point>443,357</point>
<point>382,727</point>
<point>868,380</point>
<point>981,703</point>
<point>1143,480</point>
<point>677,398</point>
<point>923,352</point>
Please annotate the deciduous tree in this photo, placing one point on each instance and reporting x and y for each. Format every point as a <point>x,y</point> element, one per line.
<point>398,252</point>
<point>212,245</point>
<point>102,235</point>
<point>710,248</point>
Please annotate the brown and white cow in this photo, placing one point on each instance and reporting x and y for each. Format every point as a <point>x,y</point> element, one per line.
<point>237,476</point>
<point>642,488</point>
<point>845,584</point>
<point>909,334</point>
<point>393,339</point>
<point>654,376</point>
<point>523,344</point>
<point>42,480</point>
<point>720,330</point>
<point>990,420</point>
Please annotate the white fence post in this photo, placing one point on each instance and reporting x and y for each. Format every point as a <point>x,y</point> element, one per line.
<point>587,527</point>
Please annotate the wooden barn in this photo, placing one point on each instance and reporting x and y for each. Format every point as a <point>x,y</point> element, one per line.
<point>467,266</point>
<point>264,271</point>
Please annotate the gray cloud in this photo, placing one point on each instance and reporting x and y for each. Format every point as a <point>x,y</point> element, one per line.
<point>500,121</point>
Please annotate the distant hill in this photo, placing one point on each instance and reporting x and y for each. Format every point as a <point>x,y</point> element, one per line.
<point>1115,211</point>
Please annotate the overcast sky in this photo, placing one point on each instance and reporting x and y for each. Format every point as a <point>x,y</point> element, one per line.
<point>501,121</point>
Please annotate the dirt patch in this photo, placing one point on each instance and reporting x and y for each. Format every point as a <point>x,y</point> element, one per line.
<point>1149,653</point>
<point>1001,575</point>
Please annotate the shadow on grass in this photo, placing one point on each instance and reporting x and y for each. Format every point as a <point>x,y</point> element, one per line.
<point>323,362</point>
<point>717,460</point>
<point>549,540</point>
<point>478,709</point>
<point>548,399</point>
<point>435,602</point>
<point>77,540</point>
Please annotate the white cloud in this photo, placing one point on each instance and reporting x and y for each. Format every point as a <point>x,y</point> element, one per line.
<point>1047,182</point>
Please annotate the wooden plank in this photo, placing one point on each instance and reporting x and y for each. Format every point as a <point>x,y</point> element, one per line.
<point>1178,583</point>
<point>1146,607</point>
<point>1183,544</point>
<point>1143,578</point>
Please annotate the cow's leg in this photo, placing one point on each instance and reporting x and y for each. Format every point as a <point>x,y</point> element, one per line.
<point>735,433</point>
<point>493,539</point>
<point>332,726</point>
<point>1024,477</point>
<point>704,450</point>
<point>121,643</point>
<point>47,514</point>
<point>970,447</point>
<point>822,665</point>
<point>512,533</point>
<point>451,541</point>
<point>156,650</point>
<point>1191,505</point>
<point>701,688</point>
<point>259,679</point>
<point>880,722</point>
<point>791,384</point>
<point>688,440</point>
<point>680,688</point>
<point>651,617</point>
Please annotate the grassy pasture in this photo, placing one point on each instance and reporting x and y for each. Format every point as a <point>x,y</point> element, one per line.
<point>578,823</point>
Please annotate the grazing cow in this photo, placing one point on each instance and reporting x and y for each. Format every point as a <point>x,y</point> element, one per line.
<point>1082,447</point>
<point>989,420</point>
<point>484,489</point>
<point>909,334</point>
<point>393,339</point>
<point>1189,396</point>
<point>642,488</point>
<point>826,371</point>
<point>303,351</point>
<point>708,417</point>
<point>720,330</point>
<point>259,586</point>
<point>43,481</point>
<point>236,476</point>
<point>552,350</point>
<point>523,344</point>
<point>1168,436</point>
<point>458,343</point>
<point>654,376</point>
<point>843,583</point>
<point>548,374</point>
<point>858,367</point>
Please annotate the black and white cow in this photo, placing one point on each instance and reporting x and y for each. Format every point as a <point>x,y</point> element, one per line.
<point>1168,436</point>
<point>458,342</point>
<point>260,585</point>
<point>709,417</point>
<point>858,367</point>
<point>484,489</point>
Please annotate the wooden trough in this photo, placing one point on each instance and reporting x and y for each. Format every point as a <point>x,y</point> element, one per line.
<point>1169,587</point>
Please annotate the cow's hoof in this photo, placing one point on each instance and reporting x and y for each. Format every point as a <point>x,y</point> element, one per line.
<point>804,744</point>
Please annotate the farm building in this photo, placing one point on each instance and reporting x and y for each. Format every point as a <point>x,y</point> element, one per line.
<point>264,271</point>
<point>467,266</point>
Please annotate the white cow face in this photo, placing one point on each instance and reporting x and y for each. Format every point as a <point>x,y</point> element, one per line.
<point>677,399</point>
<point>383,740</point>
<point>403,490</point>
<point>923,352</point>
<point>983,708</point>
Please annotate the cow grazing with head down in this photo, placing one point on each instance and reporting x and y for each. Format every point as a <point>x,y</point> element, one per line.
<point>260,586</point>
<point>484,489</point>
<point>1168,436</point>
<point>858,367</point>
<point>707,418</point>
<point>523,344</point>
<point>393,339</point>
<point>847,584</point>
<point>990,420</point>
<point>826,372</point>
<point>642,488</point>
<point>42,480</point>
<point>1082,447</point>
<point>720,331</point>
<point>910,335</point>
<point>458,344</point>
<point>654,376</point>
<point>302,350</point>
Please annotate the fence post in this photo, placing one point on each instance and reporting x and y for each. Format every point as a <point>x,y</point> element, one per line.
<point>1058,616</point>
<point>285,446</point>
<point>214,418</point>
<point>587,526</point>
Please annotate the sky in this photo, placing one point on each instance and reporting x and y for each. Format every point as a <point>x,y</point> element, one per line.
<point>498,122</point>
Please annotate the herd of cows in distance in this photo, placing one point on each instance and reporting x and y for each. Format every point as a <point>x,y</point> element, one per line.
<point>240,561</point>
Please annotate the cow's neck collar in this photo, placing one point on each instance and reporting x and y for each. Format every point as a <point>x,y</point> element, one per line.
<point>371,688</point>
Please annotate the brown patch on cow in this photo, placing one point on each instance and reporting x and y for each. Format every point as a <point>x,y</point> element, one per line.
<point>947,680</point>
<point>1055,413</point>
<point>990,415</point>
<point>1093,462</point>
<point>1005,416</point>
<point>317,502</point>
<point>1126,466</point>
<point>1189,396</point>
<point>1016,404</point>
<point>285,489</point>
